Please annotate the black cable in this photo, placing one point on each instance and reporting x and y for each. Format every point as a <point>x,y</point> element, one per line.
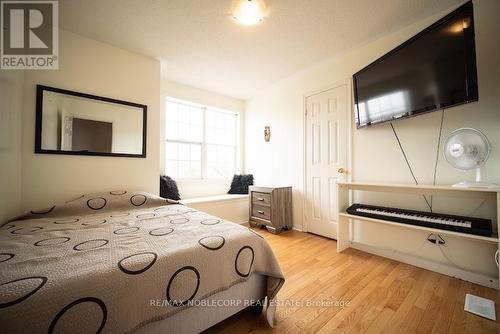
<point>437,152</point>
<point>408,164</point>
<point>404,154</point>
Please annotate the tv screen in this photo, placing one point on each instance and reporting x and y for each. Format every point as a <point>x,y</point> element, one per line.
<point>433,70</point>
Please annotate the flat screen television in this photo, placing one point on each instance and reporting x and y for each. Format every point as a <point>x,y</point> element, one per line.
<point>433,70</point>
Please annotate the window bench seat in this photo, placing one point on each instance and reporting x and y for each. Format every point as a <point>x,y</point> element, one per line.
<point>229,207</point>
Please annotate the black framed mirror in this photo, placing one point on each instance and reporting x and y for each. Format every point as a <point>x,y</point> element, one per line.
<point>74,123</point>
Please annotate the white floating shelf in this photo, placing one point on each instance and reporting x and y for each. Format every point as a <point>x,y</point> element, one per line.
<point>422,189</point>
<point>493,239</point>
<point>344,219</point>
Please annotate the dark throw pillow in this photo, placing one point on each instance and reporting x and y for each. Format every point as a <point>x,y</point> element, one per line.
<point>240,184</point>
<point>168,188</point>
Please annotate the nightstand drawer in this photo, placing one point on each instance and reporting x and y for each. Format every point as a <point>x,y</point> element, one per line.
<point>261,198</point>
<point>262,212</point>
<point>271,207</point>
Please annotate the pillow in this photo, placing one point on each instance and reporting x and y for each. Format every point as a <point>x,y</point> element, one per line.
<point>240,184</point>
<point>120,200</point>
<point>168,188</point>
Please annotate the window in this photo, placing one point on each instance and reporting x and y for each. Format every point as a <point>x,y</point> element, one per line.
<point>201,142</point>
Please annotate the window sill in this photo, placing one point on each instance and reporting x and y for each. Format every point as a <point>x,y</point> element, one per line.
<point>194,179</point>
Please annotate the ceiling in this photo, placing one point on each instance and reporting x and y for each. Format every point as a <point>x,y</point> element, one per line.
<point>200,45</point>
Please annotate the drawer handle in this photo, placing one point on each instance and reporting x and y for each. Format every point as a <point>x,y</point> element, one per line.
<point>261,212</point>
<point>260,199</point>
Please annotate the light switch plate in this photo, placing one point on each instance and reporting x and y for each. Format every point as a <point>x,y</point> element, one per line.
<point>480,306</point>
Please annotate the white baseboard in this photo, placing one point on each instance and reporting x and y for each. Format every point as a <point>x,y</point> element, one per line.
<point>297,229</point>
<point>481,279</point>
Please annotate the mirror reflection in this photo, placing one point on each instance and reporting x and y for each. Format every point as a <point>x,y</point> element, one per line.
<point>74,123</point>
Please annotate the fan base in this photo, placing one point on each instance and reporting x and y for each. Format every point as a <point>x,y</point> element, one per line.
<point>468,184</point>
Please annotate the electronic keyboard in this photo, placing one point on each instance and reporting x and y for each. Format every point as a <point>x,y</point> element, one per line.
<point>470,225</point>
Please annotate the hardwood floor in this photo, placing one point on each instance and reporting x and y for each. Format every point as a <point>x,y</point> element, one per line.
<point>384,296</point>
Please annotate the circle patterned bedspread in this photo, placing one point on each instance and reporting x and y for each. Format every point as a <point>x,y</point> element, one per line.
<point>112,262</point>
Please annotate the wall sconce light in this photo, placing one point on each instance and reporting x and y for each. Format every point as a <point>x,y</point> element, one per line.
<point>267,133</point>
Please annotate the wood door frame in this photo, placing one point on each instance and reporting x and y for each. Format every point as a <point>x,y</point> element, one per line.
<point>349,109</point>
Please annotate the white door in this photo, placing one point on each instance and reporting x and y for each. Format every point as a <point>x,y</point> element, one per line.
<point>326,157</point>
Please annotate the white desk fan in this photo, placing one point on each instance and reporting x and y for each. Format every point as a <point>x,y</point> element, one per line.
<point>467,149</point>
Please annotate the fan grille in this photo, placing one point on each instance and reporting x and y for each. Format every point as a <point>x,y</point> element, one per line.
<point>467,148</point>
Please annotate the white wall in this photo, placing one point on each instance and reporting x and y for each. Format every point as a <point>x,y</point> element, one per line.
<point>188,93</point>
<point>11,103</point>
<point>201,187</point>
<point>376,156</point>
<point>92,67</point>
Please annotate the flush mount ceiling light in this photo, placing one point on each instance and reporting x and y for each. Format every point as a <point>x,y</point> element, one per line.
<point>249,12</point>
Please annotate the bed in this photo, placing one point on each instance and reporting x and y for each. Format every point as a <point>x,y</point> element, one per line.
<point>121,262</point>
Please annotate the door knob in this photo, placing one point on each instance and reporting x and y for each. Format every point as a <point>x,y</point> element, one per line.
<point>341,170</point>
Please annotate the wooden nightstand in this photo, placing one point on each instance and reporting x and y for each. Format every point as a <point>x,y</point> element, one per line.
<point>271,207</point>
